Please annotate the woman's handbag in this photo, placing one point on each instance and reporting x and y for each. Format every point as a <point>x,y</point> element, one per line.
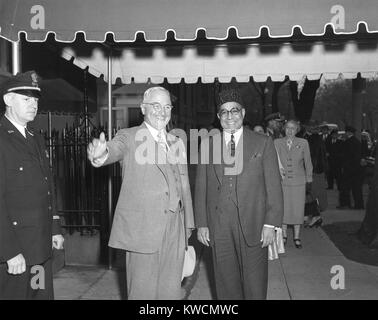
<point>312,208</point>
<point>277,247</point>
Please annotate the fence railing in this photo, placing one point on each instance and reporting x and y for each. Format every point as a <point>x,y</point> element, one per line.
<point>81,189</point>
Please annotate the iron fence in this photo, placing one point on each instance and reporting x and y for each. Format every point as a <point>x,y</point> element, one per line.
<point>81,189</point>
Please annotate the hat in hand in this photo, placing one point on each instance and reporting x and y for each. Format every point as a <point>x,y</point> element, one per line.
<point>23,83</point>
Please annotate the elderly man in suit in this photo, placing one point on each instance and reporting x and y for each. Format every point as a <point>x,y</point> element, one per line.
<point>29,226</point>
<point>295,157</point>
<point>154,200</point>
<point>238,202</point>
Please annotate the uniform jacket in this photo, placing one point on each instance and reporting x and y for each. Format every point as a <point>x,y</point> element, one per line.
<point>141,213</point>
<point>296,161</point>
<point>27,203</point>
<point>258,188</point>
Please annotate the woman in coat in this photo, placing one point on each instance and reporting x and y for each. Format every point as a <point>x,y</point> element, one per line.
<point>296,171</point>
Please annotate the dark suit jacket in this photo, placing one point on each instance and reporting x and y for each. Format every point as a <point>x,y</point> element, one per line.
<point>351,156</point>
<point>259,192</point>
<point>27,201</point>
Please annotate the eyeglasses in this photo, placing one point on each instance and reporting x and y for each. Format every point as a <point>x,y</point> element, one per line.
<point>158,107</point>
<point>234,112</point>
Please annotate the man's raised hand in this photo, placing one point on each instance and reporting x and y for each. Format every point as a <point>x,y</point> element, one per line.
<point>97,148</point>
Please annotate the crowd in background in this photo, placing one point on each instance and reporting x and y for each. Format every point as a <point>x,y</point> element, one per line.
<point>339,159</point>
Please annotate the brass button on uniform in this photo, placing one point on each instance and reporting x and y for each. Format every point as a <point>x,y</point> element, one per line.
<point>21,168</point>
<point>15,223</point>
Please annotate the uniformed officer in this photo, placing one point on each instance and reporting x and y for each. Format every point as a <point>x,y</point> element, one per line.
<point>274,125</point>
<point>29,226</point>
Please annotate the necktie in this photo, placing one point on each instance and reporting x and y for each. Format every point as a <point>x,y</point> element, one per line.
<point>289,143</point>
<point>31,142</point>
<point>161,141</point>
<point>232,145</point>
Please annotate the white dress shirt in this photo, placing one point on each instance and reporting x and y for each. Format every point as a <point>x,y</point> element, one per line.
<point>156,134</point>
<point>237,134</point>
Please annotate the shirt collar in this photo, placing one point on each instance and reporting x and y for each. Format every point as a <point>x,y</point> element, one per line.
<point>18,126</point>
<point>237,135</point>
<point>154,132</point>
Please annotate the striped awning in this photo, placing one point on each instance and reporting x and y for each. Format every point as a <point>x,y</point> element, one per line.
<point>193,63</point>
<point>154,18</point>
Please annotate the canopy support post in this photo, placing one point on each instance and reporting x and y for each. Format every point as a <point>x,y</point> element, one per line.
<point>110,129</point>
<point>16,57</point>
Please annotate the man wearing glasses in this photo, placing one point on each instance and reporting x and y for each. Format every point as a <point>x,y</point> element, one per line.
<point>236,210</point>
<point>153,202</point>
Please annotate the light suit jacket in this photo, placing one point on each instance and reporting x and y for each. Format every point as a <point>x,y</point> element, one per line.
<point>141,212</point>
<point>296,161</point>
<point>259,197</point>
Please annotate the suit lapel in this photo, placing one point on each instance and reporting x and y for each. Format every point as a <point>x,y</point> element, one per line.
<point>218,167</point>
<point>18,140</point>
<point>159,166</point>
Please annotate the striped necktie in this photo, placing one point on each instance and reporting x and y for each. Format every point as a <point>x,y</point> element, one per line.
<point>231,145</point>
<point>161,142</point>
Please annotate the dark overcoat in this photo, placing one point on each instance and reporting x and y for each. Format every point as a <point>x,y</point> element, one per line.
<point>28,216</point>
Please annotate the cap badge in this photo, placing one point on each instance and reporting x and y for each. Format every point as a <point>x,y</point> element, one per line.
<point>34,79</point>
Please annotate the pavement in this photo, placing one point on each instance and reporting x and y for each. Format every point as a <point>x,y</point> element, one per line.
<point>318,271</point>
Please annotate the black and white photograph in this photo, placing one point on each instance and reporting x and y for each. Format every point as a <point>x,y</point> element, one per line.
<point>188,154</point>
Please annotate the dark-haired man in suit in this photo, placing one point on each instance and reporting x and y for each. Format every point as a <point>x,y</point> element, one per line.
<point>238,203</point>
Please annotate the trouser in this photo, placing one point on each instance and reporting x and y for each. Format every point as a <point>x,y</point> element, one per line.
<point>333,174</point>
<point>351,184</point>
<point>241,272</point>
<point>36,283</point>
<point>157,276</point>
